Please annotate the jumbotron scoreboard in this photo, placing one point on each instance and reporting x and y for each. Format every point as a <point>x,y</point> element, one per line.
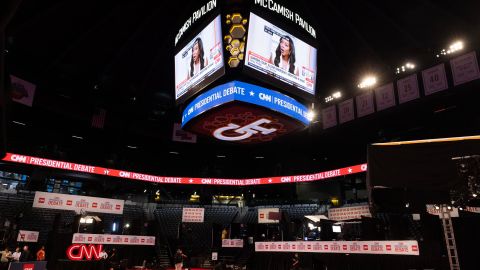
<point>245,71</point>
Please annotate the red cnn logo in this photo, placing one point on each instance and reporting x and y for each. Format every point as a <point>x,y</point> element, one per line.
<point>69,202</point>
<point>41,200</point>
<point>389,247</point>
<point>414,248</point>
<point>117,207</point>
<point>77,252</point>
<point>94,205</point>
<point>29,266</point>
<point>365,247</point>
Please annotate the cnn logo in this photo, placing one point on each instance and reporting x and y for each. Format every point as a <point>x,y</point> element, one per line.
<point>78,252</point>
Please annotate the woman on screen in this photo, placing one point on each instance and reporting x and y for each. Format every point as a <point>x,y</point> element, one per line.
<point>198,61</point>
<point>285,55</point>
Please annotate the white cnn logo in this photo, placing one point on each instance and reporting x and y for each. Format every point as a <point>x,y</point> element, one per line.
<point>245,131</point>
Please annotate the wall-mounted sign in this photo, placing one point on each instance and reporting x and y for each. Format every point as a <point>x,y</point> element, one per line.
<point>113,239</point>
<point>407,247</point>
<point>77,203</point>
<point>79,252</point>
<point>196,15</point>
<point>465,68</point>
<point>195,215</point>
<point>269,215</point>
<point>351,212</point>
<point>27,236</point>
<point>232,243</point>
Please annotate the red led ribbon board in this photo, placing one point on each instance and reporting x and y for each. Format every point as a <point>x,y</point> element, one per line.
<point>50,163</point>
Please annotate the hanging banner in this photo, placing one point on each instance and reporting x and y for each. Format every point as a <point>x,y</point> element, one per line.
<point>434,79</point>
<point>385,97</point>
<point>195,215</point>
<point>408,89</point>
<point>27,236</point>
<point>432,210</point>
<point>365,104</point>
<point>77,203</point>
<point>351,212</point>
<point>407,247</point>
<point>232,243</point>
<point>465,68</point>
<point>346,111</point>
<point>113,239</point>
<point>473,209</point>
<point>22,91</point>
<point>329,117</point>
<point>43,162</point>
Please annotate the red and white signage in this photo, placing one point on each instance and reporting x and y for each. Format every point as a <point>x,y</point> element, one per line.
<point>268,215</point>
<point>385,97</point>
<point>28,266</point>
<point>113,239</point>
<point>195,215</point>
<point>232,243</point>
<point>434,79</point>
<point>407,247</point>
<point>79,252</point>
<point>346,111</point>
<point>351,212</point>
<point>329,117</point>
<point>435,210</point>
<point>77,203</point>
<point>408,89</point>
<point>473,209</point>
<point>365,104</point>
<point>465,68</point>
<point>27,236</point>
<point>42,162</point>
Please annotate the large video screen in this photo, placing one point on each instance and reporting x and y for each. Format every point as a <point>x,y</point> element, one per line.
<point>276,53</point>
<point>200,62</point>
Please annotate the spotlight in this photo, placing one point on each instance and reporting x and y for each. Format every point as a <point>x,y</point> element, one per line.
<point>337,94</point>
<point>449,207</point>
<point>437,207</point>
<point>474,195</point>
<point>310,115</point>
<point>456,46</point>
<point>127,225</point>
<point>368,81</point>
<point>407,205</point>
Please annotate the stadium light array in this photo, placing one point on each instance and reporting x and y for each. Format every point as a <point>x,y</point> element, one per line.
<point>454,47</point>
<point>368,81</point>
<point>333,96</point>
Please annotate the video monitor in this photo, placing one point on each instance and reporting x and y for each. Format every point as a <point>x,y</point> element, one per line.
<point>200,62</point>
<point>280,56</point>
<point>336,228</point>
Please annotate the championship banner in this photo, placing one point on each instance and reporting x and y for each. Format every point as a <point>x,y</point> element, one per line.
<point>113,239</point>
<point>195,215</point>
<point>27,236</point>
<point>232,243</point>
<point>77,203</point>
<point>407,247</point>
<point>346,213</point>
<point>432,210</point>
<point>50,163</point>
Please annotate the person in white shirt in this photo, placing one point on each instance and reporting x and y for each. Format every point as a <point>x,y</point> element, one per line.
<point>16,254</point>
<point>198,60</point>
<point>285,55</point>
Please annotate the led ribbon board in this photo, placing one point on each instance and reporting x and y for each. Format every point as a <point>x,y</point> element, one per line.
<point>63,165</point>
<point>247,93</point>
